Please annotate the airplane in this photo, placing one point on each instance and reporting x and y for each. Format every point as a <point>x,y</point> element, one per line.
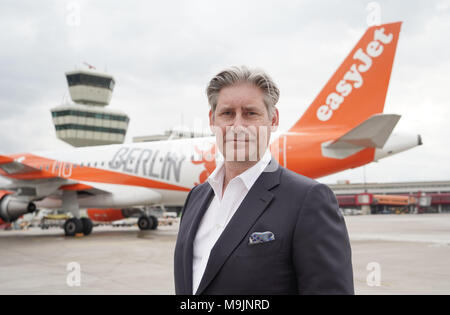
<point>4,225</point>
<point>343,128</point>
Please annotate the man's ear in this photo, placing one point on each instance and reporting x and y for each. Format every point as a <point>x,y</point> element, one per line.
<point>275,121</point>
<point>211,121</point>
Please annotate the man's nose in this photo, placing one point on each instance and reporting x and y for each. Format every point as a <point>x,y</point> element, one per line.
<point>237,126</point>
<point>239,121</point>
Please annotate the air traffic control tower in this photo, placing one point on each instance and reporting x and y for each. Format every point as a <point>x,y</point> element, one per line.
<point>86,121</point>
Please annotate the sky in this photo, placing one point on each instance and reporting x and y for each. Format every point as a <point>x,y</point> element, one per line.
<point>163,53</point>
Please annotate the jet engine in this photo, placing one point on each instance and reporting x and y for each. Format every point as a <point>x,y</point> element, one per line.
<point>11,208</point>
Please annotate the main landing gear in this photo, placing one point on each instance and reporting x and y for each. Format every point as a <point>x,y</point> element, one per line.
<point>148,222</point>
<point>76,226</point>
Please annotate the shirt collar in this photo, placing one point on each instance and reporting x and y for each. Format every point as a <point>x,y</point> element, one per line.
<point>248,177</point>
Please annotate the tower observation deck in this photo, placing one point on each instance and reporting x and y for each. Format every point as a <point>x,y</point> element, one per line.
<point>86,121</point>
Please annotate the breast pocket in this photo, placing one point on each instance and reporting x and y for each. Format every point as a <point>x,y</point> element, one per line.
<point>260,250</point>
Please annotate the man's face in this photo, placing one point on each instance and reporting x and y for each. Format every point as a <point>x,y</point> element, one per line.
<point>241,123</point>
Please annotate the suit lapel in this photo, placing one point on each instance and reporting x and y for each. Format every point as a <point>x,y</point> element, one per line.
<point>251,208</point>
<point>199,209</point>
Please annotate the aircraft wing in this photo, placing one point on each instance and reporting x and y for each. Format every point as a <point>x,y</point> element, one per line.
<point>10,166</point>
<point>43,185</point>
<point>36,183</point>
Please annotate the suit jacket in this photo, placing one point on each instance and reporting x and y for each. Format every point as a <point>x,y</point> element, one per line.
<point>311,252</point>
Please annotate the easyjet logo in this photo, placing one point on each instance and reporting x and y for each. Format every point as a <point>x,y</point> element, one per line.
<point>353,78</point>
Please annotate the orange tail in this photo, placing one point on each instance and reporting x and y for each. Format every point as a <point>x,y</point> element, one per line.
<point>357,90</point>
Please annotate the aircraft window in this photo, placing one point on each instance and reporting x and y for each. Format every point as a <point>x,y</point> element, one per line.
<point>47,167</point>
<point>95,164</point>
<point>103,163</point>
<point>89,164</point>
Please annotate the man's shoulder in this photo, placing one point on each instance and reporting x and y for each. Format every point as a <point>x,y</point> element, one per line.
<point>294,180</point>
<point>297,185</point>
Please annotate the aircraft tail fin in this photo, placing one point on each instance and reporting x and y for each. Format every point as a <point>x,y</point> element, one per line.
<point>357,90</point>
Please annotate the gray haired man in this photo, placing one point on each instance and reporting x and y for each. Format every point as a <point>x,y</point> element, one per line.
<point>255,227</point>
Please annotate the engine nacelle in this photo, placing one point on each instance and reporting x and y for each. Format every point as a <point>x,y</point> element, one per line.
<point>12,208</point>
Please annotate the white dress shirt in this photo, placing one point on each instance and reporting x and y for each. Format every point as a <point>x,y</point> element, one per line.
<point>220,211</point>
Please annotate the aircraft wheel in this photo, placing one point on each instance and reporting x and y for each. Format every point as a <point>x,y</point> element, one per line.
<point>73,226</point>
<point>145,223</point>
<point>87,226</point>
<point>155,222</point>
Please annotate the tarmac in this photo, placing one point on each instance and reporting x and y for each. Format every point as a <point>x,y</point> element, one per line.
<point>391,254</point>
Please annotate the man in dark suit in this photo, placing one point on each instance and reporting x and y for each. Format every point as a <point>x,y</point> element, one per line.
<point>255,227</point>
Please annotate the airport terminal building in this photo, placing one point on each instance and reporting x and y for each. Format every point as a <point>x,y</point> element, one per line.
<point>402,197</point>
